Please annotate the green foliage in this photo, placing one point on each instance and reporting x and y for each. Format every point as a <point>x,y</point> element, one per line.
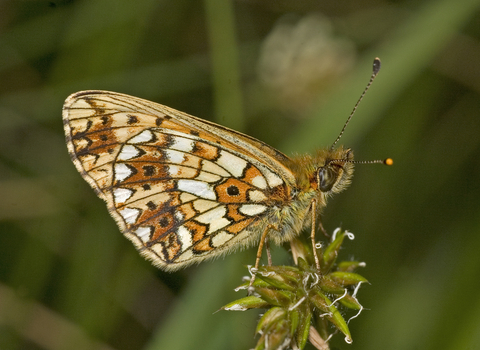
<point>300,298</point>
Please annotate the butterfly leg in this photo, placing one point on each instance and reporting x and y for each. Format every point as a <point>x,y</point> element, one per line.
<point>312,234</point>
<point>263,240</point>
<point>267,249</point>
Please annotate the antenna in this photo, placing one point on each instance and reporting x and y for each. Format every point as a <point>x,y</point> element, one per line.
<point>376,69</point>
<point>387,161</point>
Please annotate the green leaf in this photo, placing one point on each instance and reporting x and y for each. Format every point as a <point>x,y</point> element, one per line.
<point>294,317</point>
<point>250,302</point>
<point>329,285</point>
<point>331,252</point>
<point>333,315</point>
<point>350,302</point>
<point>346,278</point>
<point>277,336</point>
<point>279,279</point>
<point>320,301</point>
<point>303,264</point>
<point>303,328</point>
<point>275,297</point>
<point>270,318</point>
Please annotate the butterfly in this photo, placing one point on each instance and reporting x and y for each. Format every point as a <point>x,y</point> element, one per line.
<point>184,190</point>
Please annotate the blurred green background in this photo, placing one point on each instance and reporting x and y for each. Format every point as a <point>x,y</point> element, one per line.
<point>288,73</point>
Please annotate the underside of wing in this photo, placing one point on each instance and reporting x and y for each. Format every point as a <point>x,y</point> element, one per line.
<point>181,189</point>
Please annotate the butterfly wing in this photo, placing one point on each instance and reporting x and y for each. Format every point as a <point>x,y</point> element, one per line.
<point>180,188</point>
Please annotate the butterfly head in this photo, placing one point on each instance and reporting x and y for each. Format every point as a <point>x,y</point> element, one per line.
<point>334,170</point>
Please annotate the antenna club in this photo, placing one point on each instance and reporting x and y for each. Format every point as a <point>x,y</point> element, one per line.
<point>388,161</point>
<point>377,64</point>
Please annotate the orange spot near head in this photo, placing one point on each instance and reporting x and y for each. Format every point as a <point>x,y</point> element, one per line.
<point>232,191</point>
<point>388,161</point>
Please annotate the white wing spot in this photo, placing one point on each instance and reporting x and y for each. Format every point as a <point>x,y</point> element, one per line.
<point>130,215</point>
<point>143,233</point>
<point>179,215</point>
<point>233,164</point>
<point>257,196</point>
<point>175,156</point>
<point>185,237</point>
<point>252,209</point>
<point>128,152</point>
<point>144,136</point>
<point>122,194</point>
<point>173,170</point>
<point>272,179</point>
<point>259,181</point>
<point>197,188</point>
<point>182,144</point>
<point>215,218</point>
<point>220,238</point>
<point>122,171</point>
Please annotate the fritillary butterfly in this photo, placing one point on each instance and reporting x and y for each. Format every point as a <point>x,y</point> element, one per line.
<point>184,189</point>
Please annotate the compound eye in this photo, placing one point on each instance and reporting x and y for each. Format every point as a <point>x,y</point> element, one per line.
<point>327,176</point>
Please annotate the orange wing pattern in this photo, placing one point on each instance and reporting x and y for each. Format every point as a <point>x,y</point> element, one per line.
<point>182,190</point>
